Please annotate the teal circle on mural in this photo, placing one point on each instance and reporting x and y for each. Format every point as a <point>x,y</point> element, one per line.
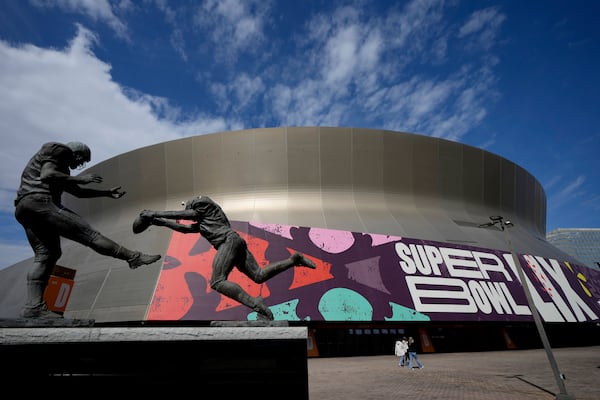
<point>341,304</point>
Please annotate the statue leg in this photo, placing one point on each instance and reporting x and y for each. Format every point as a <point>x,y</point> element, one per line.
<point>234,291</point>
<point>72,226</point>
<point>47,252</point>
<point>263,274</point>
<point>105,246</point>
<point>228,254</point>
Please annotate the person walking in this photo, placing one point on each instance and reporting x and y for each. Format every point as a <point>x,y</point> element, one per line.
<point>400,350</point>
<point>39,210</point>
<point>209,219</point>
<point>412,354</point>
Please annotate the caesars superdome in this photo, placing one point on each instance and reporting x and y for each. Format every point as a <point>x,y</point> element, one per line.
<point>394,221</point>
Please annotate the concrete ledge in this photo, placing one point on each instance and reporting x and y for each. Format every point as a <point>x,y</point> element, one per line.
<point>268,361</point>
<point>39,323</point>
<point>16,336</point>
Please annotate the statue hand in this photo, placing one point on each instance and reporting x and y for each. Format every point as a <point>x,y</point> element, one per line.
<point>116,192</point>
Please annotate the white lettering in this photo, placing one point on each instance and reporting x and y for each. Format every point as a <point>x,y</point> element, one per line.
<point>435,259</point>
<point>496,265</point>
<point>497,296</point>
<point>480,298</point>
<point>407,264</point>
<point>416,258</point>
<point>577,304</point>
<point>423,267</point>
<point>547,311</point>
<point>519,309</point>
<point>461,294</point>
<point>460,264</point>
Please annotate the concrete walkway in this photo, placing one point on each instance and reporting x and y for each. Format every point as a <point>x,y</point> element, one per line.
<point>510,375</point>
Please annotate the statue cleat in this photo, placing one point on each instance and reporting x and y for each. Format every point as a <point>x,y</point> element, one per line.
<point>301,261</point>
<point>140,259</point>
<point>263,312</point>
<point>41,312</point>
<point>263,317</point>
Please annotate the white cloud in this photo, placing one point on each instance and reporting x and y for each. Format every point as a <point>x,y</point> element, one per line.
<point>97,10</point>
<point>69,94</point>
<point>570,192</point>
<point>482,26</point>
<point>246,89</point>
<point>177,37</point>
<point>414,24</point>
<point>341,56</point>
<point>369,68</point>
<point>235,26</point>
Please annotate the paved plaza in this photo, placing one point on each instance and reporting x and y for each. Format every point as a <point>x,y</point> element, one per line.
<point>510,375</point>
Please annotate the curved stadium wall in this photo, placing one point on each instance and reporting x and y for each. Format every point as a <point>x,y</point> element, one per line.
<point>391,219</point>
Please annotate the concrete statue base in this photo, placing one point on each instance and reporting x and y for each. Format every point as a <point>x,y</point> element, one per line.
<point>270,361</point>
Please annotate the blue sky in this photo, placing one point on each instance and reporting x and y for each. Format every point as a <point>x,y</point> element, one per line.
<point>518,78</point>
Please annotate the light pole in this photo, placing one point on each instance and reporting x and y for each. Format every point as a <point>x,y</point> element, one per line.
<point>504,225</point>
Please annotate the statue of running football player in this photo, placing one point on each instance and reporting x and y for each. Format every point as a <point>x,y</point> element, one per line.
<point>210,221</point>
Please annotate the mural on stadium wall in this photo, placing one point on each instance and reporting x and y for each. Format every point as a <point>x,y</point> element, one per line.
<point>371,277</point>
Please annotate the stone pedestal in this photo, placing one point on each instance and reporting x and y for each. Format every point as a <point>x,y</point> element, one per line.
<point>262,361</point>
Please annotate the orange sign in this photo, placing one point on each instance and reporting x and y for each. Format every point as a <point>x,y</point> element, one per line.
<point>311,344</point>
<point>60,286</point>
<point>426,344</point>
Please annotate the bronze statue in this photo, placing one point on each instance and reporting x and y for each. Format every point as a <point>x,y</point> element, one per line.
<point>38,208</point>
<point>209,219</point>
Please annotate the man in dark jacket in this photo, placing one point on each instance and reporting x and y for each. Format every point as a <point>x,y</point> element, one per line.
<point>210,221</point>
<point>412,353</point>
<point>38,208</point>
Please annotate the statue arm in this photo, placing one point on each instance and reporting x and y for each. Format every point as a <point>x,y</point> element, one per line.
<point>78,191</point>
<point>51,174</point>
<point>177,226</point>
<point>181,214</point>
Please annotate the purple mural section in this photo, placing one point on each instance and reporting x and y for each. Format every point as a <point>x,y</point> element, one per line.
<point>369,277</point>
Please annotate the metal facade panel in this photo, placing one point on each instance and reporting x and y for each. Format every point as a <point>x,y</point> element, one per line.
<point>374,216</point>
<point>306,208</point>
<point>179,168</point>
<point>507,187</point>
<point>208,163</point>
<point>492,181</point>
<point>425,167</point>
<point>239,168</point>
<point>472,171</point>
<point>303,163</point>
<point>340,210</point>
<point>367,160</point>
<point>451,180</point>
<point>271,157</point>
<point>335,157</point>
<point>398,154</point>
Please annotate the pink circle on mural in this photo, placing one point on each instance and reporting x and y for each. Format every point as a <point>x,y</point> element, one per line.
<point>330,240</point>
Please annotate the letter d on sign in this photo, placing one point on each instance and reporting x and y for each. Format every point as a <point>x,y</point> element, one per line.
<point>63,295</point>
<point>58,292</point>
